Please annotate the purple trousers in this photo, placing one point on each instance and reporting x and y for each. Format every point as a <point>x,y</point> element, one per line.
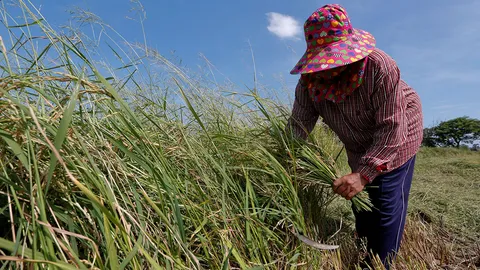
<point>383,227</point>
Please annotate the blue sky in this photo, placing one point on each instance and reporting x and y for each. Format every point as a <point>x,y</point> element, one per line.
<point>435,43</point>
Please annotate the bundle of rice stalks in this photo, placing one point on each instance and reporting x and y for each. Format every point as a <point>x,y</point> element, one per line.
<point>313,167</point>
<point>314,171</point>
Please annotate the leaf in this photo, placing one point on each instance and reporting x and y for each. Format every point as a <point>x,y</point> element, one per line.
<point>61,133</point>
<point>27,24</point>
<point>60,265</point>
<point>26,252</point>
<point>111,244</point>
<point>15,148</point>
<point>132,253</point>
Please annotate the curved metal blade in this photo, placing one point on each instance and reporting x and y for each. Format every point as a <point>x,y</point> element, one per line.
<point>314,244</point>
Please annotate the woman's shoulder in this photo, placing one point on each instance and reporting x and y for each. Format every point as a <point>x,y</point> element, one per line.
<point>380,64</point>
<point>381,60</point>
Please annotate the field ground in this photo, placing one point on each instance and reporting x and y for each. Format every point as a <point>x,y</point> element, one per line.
<point>446,194</point>
<point>446,189</point>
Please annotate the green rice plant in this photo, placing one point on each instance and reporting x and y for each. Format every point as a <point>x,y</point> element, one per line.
<point>100,170</point>
<point>313,166</point>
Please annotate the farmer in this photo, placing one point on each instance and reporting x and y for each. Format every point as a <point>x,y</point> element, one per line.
<point>358,91</point>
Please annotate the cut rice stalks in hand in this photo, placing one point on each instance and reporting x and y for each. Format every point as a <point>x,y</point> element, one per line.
<point>313,169</point>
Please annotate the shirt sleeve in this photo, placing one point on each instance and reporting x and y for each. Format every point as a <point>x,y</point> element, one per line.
<point>304,115</point>
<point>390,123</point>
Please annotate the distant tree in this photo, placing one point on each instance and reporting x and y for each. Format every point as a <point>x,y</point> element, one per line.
<point>429,138</point>
<point>456,131</point>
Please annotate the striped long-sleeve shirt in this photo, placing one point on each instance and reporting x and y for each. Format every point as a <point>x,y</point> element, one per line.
<point>380,123</point>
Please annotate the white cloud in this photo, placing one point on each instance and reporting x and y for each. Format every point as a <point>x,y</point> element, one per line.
<point>283,26</point>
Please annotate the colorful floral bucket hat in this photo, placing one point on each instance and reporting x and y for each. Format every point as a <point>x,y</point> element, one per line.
<point>332,41</point>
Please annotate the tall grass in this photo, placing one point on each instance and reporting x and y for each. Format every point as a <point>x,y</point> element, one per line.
<point>104,168</point>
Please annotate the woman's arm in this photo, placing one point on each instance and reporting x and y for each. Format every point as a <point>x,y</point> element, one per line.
<point>304,116</point>
<point>390,133</point>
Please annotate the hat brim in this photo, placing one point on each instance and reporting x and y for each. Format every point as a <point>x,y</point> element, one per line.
<point>351,49</point>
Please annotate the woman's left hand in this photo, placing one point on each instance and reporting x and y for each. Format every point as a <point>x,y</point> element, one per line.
<point>349,185</point>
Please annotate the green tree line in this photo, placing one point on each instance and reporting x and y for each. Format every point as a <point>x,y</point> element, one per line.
<point>452,133</point>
